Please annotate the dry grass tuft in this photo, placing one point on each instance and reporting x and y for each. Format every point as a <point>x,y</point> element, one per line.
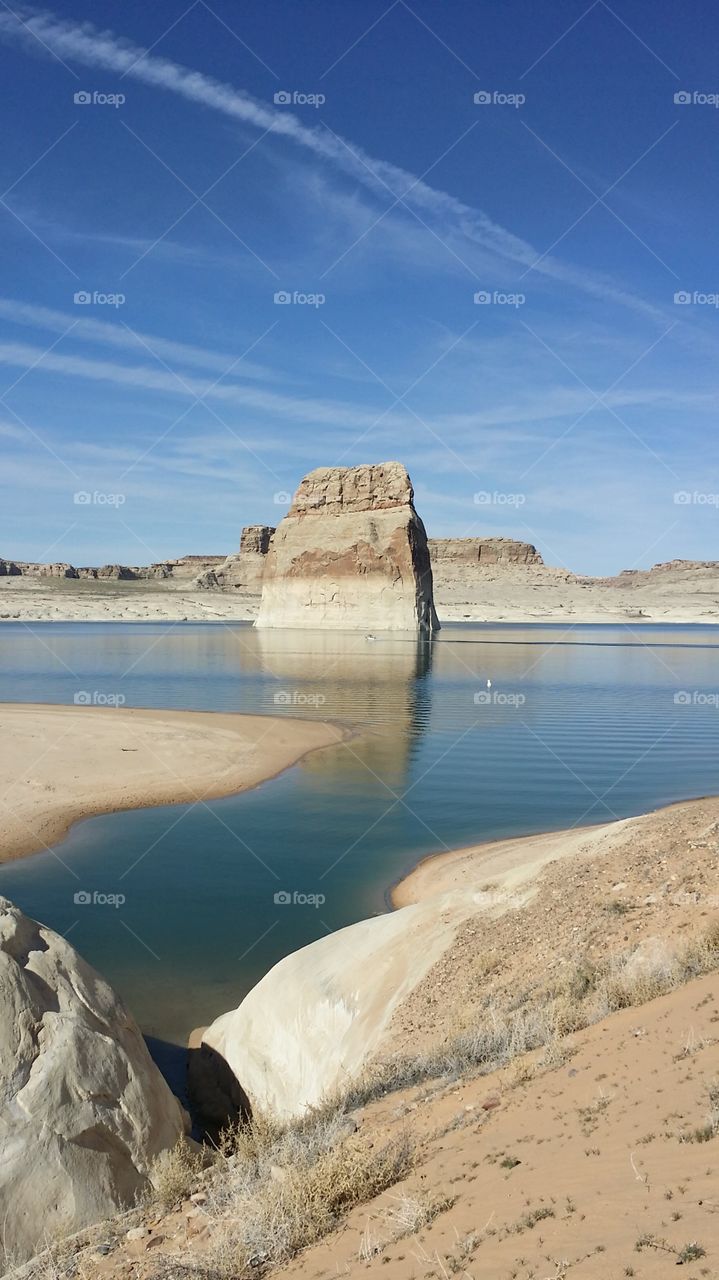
<point>175,1173</point>
<point>278,1188</point>
<point>585,994</point>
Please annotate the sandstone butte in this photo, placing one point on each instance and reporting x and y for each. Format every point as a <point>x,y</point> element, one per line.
<point>352,554</point>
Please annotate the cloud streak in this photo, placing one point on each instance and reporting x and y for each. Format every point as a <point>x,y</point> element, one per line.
<point>85,44</point>
<point>114,335</point>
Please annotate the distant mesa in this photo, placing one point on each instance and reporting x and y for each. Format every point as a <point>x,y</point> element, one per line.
<point>242,570</point>
<point>481,551</point>
<point>350,554</point>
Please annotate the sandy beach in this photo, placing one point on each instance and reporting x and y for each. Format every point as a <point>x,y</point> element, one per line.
<point>60,763</point>
<point>513,862</point>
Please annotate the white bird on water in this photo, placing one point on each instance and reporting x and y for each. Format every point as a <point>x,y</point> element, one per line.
<point>489,684</point>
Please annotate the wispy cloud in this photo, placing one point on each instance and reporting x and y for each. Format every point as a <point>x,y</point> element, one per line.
<point>116,335</point>
<point>391,183</point>
<point>532,405</point>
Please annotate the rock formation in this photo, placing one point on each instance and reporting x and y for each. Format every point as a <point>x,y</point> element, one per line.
<point>481,551</point>
<point>351,553</point>
<point>311,1024</point>
<point>243,570</point>
<point>29,569</point>
<point>121,572</point>
<point>85,1111</point>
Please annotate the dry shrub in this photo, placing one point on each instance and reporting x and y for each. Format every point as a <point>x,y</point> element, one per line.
<point>175,1173</point>
<point>269,1212</point>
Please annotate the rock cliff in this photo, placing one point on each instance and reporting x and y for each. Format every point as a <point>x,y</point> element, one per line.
<point>351,553</point>
<point>85,1111</point>
<point>242,571</point>
<point>481,551</point>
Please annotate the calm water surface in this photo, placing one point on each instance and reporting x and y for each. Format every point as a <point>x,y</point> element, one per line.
<point>580,725</point>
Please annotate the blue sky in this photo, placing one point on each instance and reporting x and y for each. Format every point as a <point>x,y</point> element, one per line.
<point>569,409</point>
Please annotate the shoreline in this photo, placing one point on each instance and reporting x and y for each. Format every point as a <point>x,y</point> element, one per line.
<point>452,869</point>
<point>56,773</point>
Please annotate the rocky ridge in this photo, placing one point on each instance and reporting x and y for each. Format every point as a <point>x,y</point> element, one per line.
<point>448,552</point>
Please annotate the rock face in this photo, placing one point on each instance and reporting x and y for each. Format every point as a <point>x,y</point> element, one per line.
<point>84,1109</point>
<point>31,570</point>
<point>310,1025</point>
<point>243,571</point>
<point>351,553</point>
<point>482,551</point>
<point>256,539</point>
<point>121,572</point>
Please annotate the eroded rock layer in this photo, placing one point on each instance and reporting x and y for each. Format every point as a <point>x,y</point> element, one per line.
<point>351,553</point>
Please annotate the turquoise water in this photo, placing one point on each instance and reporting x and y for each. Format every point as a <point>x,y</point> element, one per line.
<point>580,725</point>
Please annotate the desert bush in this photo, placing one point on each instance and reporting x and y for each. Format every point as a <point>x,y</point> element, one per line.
<point>175,1173</point>
<point>284,1189</point>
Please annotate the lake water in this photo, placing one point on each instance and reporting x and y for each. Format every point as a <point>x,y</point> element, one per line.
<point>580,725</point>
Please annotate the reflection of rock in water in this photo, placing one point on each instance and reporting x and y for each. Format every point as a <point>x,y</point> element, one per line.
<point>377,683</point>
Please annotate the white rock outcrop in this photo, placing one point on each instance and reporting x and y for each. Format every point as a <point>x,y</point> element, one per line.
<point>84,1111</point>
<point>351,553</point>
<point>311,1024</point>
